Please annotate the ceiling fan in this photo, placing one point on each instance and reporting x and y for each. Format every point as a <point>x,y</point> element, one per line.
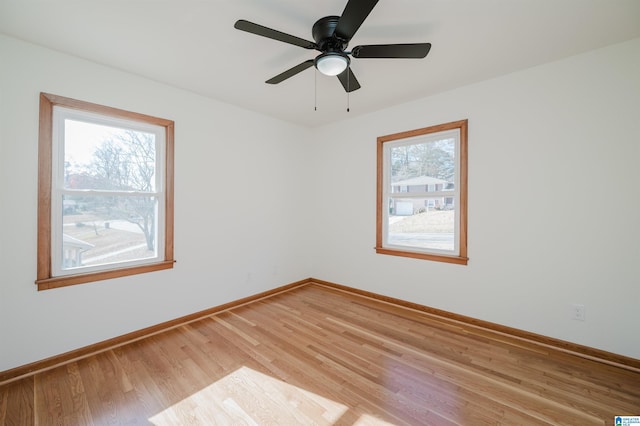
<point>332,35</point>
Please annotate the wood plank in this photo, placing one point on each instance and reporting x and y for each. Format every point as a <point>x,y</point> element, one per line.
<point>16,403</point>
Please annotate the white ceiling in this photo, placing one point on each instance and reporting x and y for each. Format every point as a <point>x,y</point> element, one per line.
<point>191,44</point>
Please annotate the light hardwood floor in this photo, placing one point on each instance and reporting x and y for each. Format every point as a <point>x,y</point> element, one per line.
<point>317,355</point>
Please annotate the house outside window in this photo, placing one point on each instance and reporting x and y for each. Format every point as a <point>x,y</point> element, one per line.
<point>422,193</point>
<point>105,205</point>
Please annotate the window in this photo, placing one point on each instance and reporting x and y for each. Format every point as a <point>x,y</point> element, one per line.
<point>105,193</point>
<point>422,193</point>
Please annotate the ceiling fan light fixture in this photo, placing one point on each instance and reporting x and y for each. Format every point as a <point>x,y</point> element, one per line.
<point>332,63</point>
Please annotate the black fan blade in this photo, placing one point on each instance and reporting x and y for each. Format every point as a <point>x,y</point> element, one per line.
<point>354,14</point>
<point>414,50</point>
<point>348,80</point>
<point>290,72</point>
<point>252,28</point>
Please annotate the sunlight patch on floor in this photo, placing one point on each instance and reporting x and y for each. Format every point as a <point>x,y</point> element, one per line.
<point>246,396</point>
<point>367,420</point>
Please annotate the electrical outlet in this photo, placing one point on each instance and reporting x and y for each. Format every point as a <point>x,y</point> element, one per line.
<point>578,312</point>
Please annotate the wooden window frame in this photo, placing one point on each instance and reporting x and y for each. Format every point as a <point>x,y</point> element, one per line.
<point>461,258</point>
<point>45,279</point>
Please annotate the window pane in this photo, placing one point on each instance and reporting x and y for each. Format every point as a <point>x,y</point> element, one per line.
<point>422,223</point>
<point>108,158</point>
<point>100,230</point>
<point>423,166</point>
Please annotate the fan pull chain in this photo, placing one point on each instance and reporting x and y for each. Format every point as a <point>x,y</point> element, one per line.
<point>315,90</point>
<point>348,87</point>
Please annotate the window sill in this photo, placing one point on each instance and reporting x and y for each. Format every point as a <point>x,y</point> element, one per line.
<point>459,260</point>
<point>67,280</point>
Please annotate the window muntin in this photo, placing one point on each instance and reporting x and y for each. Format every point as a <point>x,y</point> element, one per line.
<point>105,193</point>
<point>422,194</point>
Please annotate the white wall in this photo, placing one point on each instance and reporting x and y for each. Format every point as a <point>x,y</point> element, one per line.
<point>553,201</point>
<point>236,228</point>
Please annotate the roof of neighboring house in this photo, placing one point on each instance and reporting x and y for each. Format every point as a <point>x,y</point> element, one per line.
<point>419,180</point>
<point>74,242</point>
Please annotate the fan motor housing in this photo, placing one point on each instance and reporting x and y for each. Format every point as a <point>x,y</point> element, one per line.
<point>323,34</point>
